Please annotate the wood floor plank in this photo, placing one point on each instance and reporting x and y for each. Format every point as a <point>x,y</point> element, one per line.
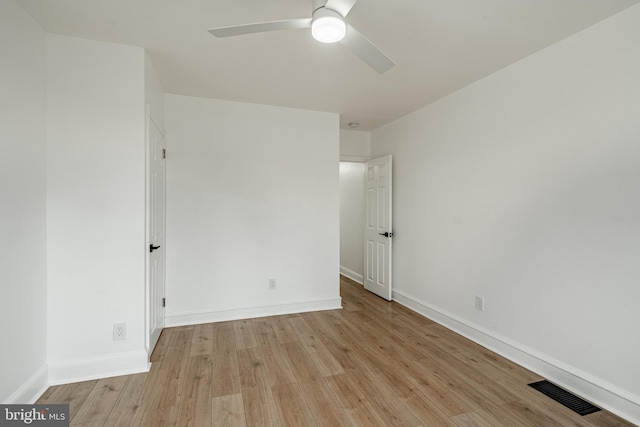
<point>202,340</point>
<point>530,415</point>
<point>374,363</point>
<point>244,335</point>
<point>323,405</point>
<point>335,343</point>
<point>101,400</point>
<point>171,371</point>
<point>394,346</point>
<point>507,415</point>
<point>224,340</point>
<point>437,391</point>
<point>292,406</point>
<point>324,360</point>
<point>228,411</point>
<point>428,411</point>
<point>514,381</point>
<point>383,400</point>
<point>195,391</point>
<point>226,376</point>
<point>302,365</point>
<point>464,390</point>
<point>397,381</point>
<point>365,415</point>
<point>273,355</point>
<point>97,423</point>
<point>149,390</point>
<point>477,380</point>
<point>181,337</point>
<point>74,395</point>
<point>165,417</point>
<point>343,343</point>
<point>260,407</point>
<point>472,419</point>
<point>282,328</point>
<point>418,339</point>
<point>129,408</point>
<point>251,369</point>
<point>487,417</point>
<point>346,391</point>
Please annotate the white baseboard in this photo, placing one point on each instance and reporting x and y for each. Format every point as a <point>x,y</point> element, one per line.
<point>596,390</point>
<point>356,277</point>
<point>91,368</point>
<point>32,389</point>
<point>209,316</point>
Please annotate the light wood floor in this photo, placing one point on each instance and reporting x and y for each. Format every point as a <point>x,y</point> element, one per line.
<point>373,363</point>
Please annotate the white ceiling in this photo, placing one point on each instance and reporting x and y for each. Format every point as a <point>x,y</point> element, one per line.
<point>438,46</point>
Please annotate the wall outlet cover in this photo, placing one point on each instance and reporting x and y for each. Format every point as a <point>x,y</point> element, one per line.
<point>119,331</point>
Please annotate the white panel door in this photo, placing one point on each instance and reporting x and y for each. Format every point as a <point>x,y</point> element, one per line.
<point>155,234</point>
<point>377,227</point>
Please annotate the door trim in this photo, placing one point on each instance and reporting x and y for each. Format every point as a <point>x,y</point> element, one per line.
<point>378,227</point>
<point>150,341</point>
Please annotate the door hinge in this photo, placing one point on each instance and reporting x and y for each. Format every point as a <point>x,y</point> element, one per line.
<point>164,302</point>
<point>164,153</point>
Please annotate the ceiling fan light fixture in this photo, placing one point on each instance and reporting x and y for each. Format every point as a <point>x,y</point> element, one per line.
<point>328,26</point>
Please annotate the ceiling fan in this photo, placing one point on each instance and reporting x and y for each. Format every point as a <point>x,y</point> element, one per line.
<point>327,25</point>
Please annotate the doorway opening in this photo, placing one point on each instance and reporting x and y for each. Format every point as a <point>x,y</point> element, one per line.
<point>365,224</point>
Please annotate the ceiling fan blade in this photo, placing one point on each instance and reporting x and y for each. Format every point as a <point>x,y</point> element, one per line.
<point>343,7</point>
<point>237,30</point>
<point>367,51</point>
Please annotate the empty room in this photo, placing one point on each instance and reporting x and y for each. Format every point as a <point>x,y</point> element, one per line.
<point>320,212</point>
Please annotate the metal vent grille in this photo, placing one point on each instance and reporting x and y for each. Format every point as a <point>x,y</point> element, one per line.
<point>565,398</point>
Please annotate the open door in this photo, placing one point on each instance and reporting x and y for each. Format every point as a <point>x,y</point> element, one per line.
<point>377,228</point>
<point>155,234</point>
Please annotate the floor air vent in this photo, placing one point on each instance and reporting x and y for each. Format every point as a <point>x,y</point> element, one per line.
<point>567,399</point>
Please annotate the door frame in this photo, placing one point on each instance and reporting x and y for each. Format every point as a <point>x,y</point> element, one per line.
<point>378,227</point>
<point>150,341</point>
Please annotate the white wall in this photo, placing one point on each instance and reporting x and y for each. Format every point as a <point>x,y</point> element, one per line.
<point>355,145</point>
<point>252,195</point>
<point>96,207</point>
<point>352,220</point>
<point>524,188</point>
<point>22,206</point>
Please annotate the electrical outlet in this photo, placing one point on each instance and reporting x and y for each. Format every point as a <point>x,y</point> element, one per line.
<point>272,284</point>
<point>479,303</point>
<point>119,331</point>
